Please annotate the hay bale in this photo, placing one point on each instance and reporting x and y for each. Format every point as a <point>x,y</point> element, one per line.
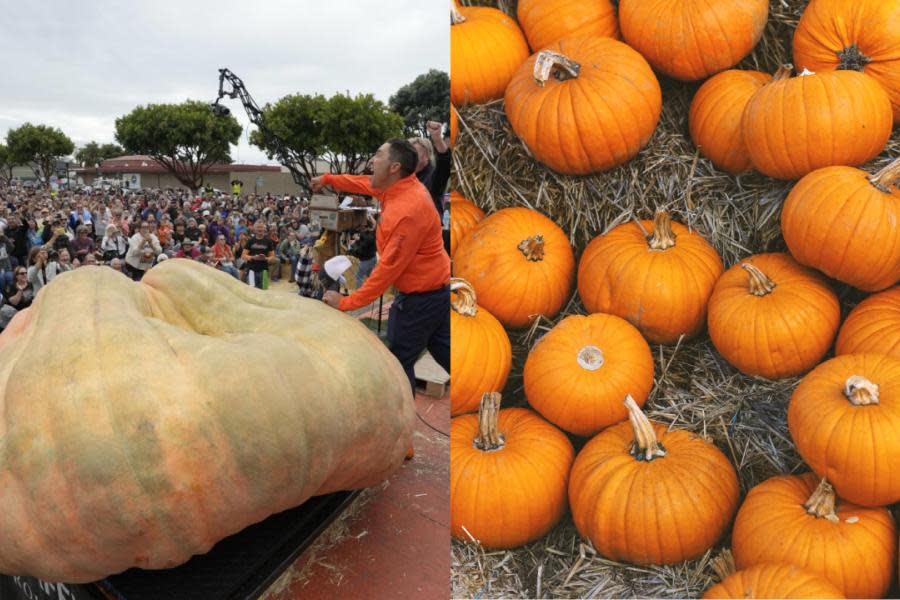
<point>694,388</point>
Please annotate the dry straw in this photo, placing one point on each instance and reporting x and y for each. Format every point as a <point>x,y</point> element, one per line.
<point>695,388</point>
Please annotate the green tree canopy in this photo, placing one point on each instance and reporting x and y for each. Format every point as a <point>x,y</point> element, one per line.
<point>427,98</point>
<point>354,128</point>
<point>38,146</point>
<point>93,153</point>
<point>187,138</point>
<point>6,165</point>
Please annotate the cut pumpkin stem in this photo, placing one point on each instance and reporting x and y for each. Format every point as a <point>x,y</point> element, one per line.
<point>860,391</point>
<point>489,437</point>
<point>663,236</point>
<point>533,248</point>
<point>886,177</point>
<point>821,502</point>
<point>590,358</point>
<point>546,61</point>
<point>465,303</point>
<point>455,16</point>
<point>783,72</point>
<point>646,446</point>
<point>760,285</point>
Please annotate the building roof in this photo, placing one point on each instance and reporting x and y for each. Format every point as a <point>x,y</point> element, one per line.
<point>138,163</point>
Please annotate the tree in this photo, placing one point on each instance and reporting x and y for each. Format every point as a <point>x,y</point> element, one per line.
<point>6,165</point>
<point>187,138</point>
<point>427,98</point>
<point>354,128</point>
<point>38,146</point>
<point>94,154</point>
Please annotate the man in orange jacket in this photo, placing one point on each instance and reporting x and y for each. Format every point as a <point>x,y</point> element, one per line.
<point>412,256</point>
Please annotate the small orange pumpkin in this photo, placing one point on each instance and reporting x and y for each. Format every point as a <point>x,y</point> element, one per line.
<point>844,223</point>
<point>793,126</point>
<point>547,21</point>
<point>577,374</point>
<point>519,262</point>
<point>844,417</point>
<point>769,316</point>
<point>692,39</point>
<point>646,495</point>
<point>873,326</point>
<point>772,580</point>
<point>796,519</point>
<point>480,352</point>
<point>659,283</point>
<point>464,215</point>
<point>508,474</point>
<point>715,118</point>
<point>584,104</point>
<point>861,35</point>
<point>486,48</point>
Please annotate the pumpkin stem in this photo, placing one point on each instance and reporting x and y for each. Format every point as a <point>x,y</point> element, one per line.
<point>546,61</point>
<point>489,437</point>
<point>886,177</point>
<point>590,358</point>
<point>783,72</point>
<point>760,285</point>
<point>723,565</point>
<point>821,503</point>
<point>663,237</point>
<point>455,16</point>
<point>646,446</point>
<point>860,391</point>
<point>465,302</point>
<point>533,248</point>
<point>852,59</point>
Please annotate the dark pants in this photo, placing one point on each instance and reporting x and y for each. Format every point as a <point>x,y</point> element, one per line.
<point>418,322</point>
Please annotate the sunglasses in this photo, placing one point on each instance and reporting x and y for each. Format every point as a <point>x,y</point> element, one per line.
<point>21,273</point>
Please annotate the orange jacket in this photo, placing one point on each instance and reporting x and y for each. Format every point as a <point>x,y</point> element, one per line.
<point>408,238</point>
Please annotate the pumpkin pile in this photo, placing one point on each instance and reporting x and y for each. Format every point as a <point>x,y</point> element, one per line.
<point>722,283</point>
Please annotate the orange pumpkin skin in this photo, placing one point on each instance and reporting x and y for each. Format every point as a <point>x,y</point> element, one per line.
<point>715,118</point>
<point>779,333</point>
<point>520,263</point>
<point>793,126</point>
<point>844,223</point>
<point>861,35</point>
<point>692,39</point>
<point>486,48</point>
<point>454,126</point>
<point>545,22</point>
<point>856,552</point>
<point>464,215</point>
<point>577,374</point>
<point>848,441</point>
<point>480,352</point>
<point>512,495</point>
<point>591,122</point>
<point>773,581</point>
<point>873,326</point>
<point>662,292</point>
<point>662,511</point>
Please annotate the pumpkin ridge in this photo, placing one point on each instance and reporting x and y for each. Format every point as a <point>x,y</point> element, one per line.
<point>600,99</point>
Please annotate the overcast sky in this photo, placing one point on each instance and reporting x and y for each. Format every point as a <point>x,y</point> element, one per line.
<point>79,65</point>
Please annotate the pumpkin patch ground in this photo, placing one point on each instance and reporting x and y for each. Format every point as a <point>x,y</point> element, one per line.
<point>694,387</point>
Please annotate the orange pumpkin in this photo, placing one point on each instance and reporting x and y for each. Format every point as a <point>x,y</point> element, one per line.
<point>454,126</point>
<point>861,35</point>
<point>584,104</point>
<point>480,352</point>
<point>715,118</point>
<point>464,215</point>
<point>796,519</point>
<point>508,474</point>
<point>844,223</point>
<point>692,39</point>
<point>770,316</point>
<point>547,21</point>
<point>577,374</point>
<point>486,48</point>
<point>844,417</point>
<point>873,326</point>
<point>660,283</point>
<point>650,496</point>
<point>773,580</point>
<point>520,264</point>
<point>793,126</point>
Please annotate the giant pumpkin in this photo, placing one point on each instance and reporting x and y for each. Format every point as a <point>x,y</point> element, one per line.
<point>143,422</point>
<point>862,35</point>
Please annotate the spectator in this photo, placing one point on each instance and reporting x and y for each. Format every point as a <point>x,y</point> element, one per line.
<point>116,265</point>
<point>34,233</point>
<point>114,244</point>
<point>188,249</point>
<point>17,296</point>
<point>223,257</point>
<point>143,248</point>
<point>36,273</point>
<point>82,245</point>
<point>62,264</point>
<point>6,261</point>
<point>258,253</point>
<point>288,252</point>
<point>364,249</point>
